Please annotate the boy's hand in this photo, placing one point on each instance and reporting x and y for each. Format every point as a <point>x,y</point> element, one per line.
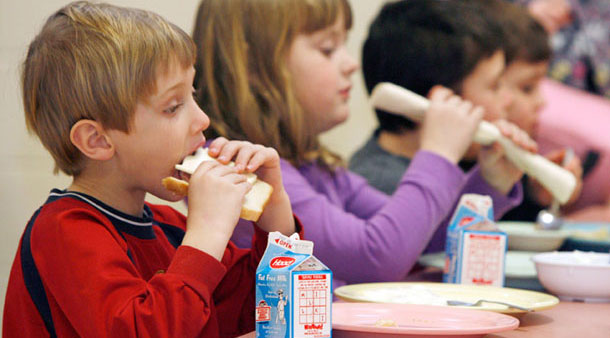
<point>449,124</point>
<point>265,162</point>
<point>543,196</point>
<point>496,169</point>
<point>215,194</point>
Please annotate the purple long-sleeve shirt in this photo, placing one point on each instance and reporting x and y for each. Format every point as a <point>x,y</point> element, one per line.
<point>364,235</point>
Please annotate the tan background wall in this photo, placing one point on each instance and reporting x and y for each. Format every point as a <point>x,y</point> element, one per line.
<point>26,170</point>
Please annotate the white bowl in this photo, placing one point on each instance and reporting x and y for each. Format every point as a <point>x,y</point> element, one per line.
<point>575,275</point>
<point>524,236</point>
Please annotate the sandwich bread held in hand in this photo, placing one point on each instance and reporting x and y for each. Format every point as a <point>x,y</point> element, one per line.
<point>254,201</point>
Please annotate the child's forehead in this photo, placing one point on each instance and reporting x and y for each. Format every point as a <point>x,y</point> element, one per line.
<point>524,70</point>
<point>171,77</point>
<point>491,67</point>
<point>321,18</point>
<point>487,72</point>
<point>335,31</point>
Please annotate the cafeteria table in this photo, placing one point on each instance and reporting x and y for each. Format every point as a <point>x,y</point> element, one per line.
<point>566,319</point>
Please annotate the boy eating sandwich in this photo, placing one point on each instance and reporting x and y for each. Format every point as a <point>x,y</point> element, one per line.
<point>108,90</point>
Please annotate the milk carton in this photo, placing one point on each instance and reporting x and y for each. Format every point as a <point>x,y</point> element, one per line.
<point>476,249</point>
<point>293,290</point>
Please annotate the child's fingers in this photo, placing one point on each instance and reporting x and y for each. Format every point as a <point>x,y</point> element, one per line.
<point>478,112</point>
<point>262,156</point>
<point>439,93</point>
<point>574,166</point>
<point>245,154</point>
<point>465,106</point>
<point>216,146</point>
<point>517,135</point>
<point>213,168</point>
<point>556,156</point>
<point>244,186</point>
<point>454,100</point>
<point>229,150</point>
<point>236,178</point>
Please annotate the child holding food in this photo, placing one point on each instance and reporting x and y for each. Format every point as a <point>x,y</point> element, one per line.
<point>470,61</point>
<point>108,90</point>
<point>528,54</point>
<point>284,79</point>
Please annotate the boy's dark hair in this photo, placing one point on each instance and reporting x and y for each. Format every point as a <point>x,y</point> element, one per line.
<point>525,39</point>
<point>417,44</point>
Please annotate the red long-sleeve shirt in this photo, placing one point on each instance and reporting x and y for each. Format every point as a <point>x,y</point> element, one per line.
<point>90,270</point>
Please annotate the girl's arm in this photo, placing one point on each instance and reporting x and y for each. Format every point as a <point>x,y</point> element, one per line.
<point>385,245</point>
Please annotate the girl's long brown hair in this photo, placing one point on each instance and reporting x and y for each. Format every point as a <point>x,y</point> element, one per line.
<point>242,81</point>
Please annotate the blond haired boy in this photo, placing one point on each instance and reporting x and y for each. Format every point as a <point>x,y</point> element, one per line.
<point>108,90</point>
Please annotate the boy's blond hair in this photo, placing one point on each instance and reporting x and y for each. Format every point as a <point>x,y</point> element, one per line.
<point>95,61</point>
<point>242,80</point>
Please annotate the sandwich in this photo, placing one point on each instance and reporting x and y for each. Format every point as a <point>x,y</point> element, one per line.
<point>254,201</point>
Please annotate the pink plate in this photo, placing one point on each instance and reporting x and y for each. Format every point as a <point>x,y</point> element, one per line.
<point>354,320</point>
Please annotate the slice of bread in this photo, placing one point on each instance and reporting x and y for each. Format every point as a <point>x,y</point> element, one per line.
<point>254,201</point>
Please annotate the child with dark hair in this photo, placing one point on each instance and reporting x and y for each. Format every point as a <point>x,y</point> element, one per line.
<point>528,54</point>
<point>478,38</point>
<point>419,44</point>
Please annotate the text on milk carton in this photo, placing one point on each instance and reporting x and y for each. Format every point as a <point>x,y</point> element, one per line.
<point>293,290</point>
<point>476,249</point>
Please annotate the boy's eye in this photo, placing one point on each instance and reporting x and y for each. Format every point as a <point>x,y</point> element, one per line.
<point>527,89</point>
<point>173,108</point>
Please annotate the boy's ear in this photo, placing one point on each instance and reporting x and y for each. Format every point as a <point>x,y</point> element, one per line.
<point>91,139</point>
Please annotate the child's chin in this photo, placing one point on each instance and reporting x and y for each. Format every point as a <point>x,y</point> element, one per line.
<point>171,197</point>
<point>168,196</point>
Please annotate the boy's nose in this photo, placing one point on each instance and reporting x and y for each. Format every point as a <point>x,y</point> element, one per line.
<point>540,101</point>
<point>201,121</point>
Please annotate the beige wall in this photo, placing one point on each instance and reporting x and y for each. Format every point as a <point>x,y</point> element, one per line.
<point>26,171</point>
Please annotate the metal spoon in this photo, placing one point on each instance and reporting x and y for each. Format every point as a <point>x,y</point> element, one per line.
<point>550,219</point>
<point>481,301</point>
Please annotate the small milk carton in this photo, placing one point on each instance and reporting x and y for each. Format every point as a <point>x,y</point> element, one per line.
<point>293,290</point>
<point>476,249</point>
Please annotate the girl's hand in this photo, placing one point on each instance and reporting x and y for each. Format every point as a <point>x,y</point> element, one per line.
<point>496,169</point>
<point>449,124</point>
<point>265,163</point>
